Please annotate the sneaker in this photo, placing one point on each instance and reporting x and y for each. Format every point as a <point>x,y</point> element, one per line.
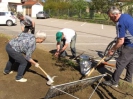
<point>22,80</point>
<point>7,73</point>
<point>109,83</point>
<point>130,81</point>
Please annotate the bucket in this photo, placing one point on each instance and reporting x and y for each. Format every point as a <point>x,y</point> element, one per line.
<point>85,64</point>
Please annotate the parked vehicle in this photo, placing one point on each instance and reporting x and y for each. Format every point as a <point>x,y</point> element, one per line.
<point>8,18</point>
<point>42,14</point>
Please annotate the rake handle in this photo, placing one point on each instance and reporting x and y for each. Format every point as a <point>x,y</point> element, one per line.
<point>96,66</point>
<point>91,71</point>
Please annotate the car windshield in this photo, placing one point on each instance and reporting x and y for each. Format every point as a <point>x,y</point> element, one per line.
<point>41,12</point>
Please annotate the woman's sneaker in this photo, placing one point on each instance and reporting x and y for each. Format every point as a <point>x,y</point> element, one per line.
<point>22,80</point>
<point>7,73</point>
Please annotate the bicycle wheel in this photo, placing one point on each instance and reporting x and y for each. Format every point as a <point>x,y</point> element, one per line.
<point>107,49</point>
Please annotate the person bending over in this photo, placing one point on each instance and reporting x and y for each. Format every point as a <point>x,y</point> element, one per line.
<point>26,23</point>
<point>20,50</point>
<point>63,38</point>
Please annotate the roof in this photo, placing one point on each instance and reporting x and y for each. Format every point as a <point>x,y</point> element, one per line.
<point>28,3</point>
<point>32,2</point>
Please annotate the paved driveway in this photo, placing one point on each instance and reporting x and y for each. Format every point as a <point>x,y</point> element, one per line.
<point>91,38</point>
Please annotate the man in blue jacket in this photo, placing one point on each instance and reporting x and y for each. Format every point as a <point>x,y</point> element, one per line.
<point>124,28</point>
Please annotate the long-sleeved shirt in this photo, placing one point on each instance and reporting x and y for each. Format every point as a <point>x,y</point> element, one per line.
<point>25,43</point>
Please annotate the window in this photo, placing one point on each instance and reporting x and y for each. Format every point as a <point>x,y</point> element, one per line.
<point>2,13</point>
<point>40,12</point>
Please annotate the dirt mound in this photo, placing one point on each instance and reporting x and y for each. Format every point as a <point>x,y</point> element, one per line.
<point>36,88</point>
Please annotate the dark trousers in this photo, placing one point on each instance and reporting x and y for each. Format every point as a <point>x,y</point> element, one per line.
<point>27,28</point>
<point>124,60</point>
<point>72,46</point>
<point>15,57</point>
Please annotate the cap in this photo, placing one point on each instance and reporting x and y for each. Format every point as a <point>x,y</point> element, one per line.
<point>58,36</point>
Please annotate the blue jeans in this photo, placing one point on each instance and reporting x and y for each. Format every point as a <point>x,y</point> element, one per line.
<point>72,46</point>
<point>15,57</point>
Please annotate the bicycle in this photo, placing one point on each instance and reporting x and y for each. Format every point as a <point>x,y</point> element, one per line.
<point>115,54</point>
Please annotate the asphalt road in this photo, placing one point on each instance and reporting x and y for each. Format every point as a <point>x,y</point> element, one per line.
<point>91,38</point>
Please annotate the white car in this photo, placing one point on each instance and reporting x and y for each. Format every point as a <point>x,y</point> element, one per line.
<point>8,18</point>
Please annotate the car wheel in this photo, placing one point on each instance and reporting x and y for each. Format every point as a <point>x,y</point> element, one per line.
<point>9,23</point>
<point>37,18</point>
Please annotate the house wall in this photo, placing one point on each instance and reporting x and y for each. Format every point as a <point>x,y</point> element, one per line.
<point>24,10</point>
<point>36,9</point>
<point>13,1</point>
<point>3,6</point>
<point>19,8</point>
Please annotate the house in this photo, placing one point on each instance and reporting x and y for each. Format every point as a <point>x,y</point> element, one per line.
<point>32,7</point>
<point>26,7</point>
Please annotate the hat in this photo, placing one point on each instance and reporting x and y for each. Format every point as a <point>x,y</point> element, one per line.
<point>58,36</point>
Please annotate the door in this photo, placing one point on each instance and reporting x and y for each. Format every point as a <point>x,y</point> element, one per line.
<point>3,18</point>
<point>28,10</point>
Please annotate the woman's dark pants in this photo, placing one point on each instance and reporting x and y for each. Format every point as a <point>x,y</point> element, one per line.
<point>15,57</point>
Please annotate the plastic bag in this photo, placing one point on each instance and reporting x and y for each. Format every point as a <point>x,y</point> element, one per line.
<point>85,64</point>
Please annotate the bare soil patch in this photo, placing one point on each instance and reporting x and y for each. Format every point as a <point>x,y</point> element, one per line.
<point>36,88</point>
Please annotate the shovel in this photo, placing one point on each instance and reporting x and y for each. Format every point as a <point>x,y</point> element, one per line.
<point>50,80</point>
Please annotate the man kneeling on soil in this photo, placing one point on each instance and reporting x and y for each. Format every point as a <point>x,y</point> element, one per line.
<point>25,43</point>
<point>63,38</point>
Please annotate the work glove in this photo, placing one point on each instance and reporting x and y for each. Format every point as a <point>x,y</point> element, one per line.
<point>37,65</point>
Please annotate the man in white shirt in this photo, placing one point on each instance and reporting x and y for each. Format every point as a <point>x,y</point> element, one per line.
<point>63,38</point>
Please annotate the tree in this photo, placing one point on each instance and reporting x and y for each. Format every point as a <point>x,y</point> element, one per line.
<point>79,5</point>
<point>56,4</point>
<point>101,6</point>
<point>127,7</point>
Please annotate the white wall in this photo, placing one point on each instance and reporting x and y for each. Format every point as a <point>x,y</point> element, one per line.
<point>3,6</point>
<point>24,11</point>
<point>14,1</point>
<point>19,8</point>
<point>36,9</point>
